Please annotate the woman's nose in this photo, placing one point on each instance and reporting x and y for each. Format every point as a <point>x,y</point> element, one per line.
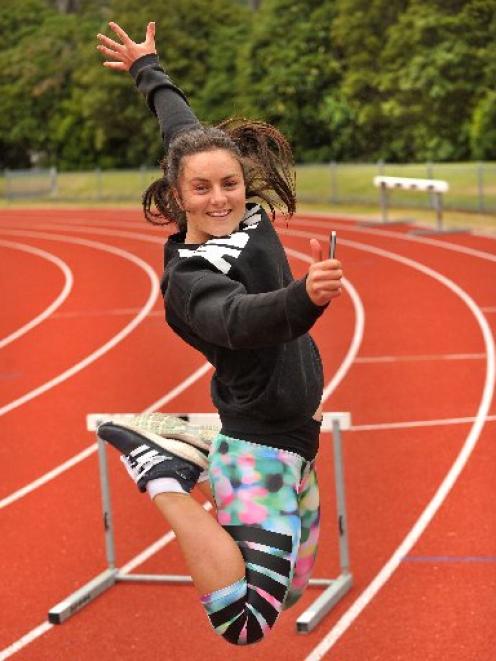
<point>218,195</point>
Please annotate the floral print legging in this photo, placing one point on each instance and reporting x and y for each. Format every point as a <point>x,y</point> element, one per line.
<point>268,501</point>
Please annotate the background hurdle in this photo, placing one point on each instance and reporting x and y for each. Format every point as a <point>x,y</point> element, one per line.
<point>435,187</point>
<point>335,588</point>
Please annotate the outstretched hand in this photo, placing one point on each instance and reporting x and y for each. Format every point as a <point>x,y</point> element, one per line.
<point>324,276</point>
<point>123,54</point>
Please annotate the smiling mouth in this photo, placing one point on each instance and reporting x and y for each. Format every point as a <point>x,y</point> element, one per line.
<point>219,214</point>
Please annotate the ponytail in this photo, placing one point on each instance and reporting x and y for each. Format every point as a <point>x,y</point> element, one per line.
<point>262,151</point>
<point>269,164</point>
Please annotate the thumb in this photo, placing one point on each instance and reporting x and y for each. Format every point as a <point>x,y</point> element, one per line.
<point>316,249</point>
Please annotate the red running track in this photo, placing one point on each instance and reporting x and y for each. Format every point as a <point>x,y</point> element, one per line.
<point>420,460</point>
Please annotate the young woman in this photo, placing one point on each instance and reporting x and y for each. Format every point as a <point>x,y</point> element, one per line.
<point>229,293</point>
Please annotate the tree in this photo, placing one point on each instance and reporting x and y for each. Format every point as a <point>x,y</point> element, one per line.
<point>34,74</point>
<point>432,76</point>
<point>359,33</point>
<point>291,74</point>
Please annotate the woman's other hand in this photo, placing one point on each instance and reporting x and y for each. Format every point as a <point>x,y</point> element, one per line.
<point>122,55</point>
<point>324,276</point>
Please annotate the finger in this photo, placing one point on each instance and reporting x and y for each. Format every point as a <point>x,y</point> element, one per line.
<point>316,249</point>
<point>120,32</point>
<point>323,280</point>
<point>328,291</point>
<point>109,53</point>
<point>110,43</point>
<point>118,66</point>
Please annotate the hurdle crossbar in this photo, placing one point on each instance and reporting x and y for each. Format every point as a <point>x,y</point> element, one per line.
<point>435,187</point>
<point>336,588</point>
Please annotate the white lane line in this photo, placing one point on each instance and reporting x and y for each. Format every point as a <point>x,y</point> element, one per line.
<point>396,359</point>
<point>110,344</point>
<point>35,484</point>
<point>411,424</point>
<point>379,232</point>
<point>68,283</point>
<point>117,312</point>
<point>351,614</point>
<point>25,640</point>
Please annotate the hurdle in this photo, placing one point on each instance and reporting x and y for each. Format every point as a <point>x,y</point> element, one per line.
<point>335,588</point>
<point>435,187</point>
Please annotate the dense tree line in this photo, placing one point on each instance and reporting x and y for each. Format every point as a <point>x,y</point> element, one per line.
<point>399,80</point>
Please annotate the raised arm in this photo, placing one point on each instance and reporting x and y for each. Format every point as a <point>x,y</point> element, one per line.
<point>163,97</point>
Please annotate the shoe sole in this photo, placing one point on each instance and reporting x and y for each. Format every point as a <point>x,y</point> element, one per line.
<point>169,427</point>
<point>127,438</point>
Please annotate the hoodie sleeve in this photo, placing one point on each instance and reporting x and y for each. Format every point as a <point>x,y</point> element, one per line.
<point>221,312</point>
<point>163,97</point>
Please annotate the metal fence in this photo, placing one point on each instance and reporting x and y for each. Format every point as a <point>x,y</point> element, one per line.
<point>472,186</point>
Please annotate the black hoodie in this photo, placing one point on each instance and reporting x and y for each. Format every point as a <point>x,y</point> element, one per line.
<point>234,299</point>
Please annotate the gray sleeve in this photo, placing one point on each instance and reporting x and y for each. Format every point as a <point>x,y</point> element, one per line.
<point>163,97</point>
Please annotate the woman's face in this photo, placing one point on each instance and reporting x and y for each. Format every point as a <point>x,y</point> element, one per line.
<point>211,190</point>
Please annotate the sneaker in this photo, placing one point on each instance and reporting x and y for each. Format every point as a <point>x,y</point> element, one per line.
<point>148,455</point>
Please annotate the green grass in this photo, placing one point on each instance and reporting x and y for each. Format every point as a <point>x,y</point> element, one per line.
<point>345,188</point>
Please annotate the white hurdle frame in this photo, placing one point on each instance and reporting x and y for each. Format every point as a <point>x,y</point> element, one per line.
<point>336,588</point>
<point>434,186</point>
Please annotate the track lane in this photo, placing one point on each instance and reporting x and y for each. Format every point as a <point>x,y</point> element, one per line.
<point>12,298</point>
<point>45,342</point>
<point>205,390</point>
<point>223,648</point>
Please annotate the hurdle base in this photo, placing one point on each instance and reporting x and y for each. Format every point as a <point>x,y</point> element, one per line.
<point>83,596</point>
<point>309,619</point>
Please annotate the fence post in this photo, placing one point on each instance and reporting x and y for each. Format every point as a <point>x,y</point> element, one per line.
<point>143,176</point>
<point>432,196</point>
<point>98,173</point>
<point>480,188</point>
<point>383,193</point>
<point>334,187</point>
<point>384,203</point>
<point>53,181</point>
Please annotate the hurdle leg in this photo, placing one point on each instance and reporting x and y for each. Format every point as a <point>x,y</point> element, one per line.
<point>87,593</point>
<point>384,203</point>
<point>344,556</point>
<point>438,203</point>
<point>338,587</point>
<point>108,526</point>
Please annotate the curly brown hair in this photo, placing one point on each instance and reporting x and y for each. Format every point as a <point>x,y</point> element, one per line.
<point>264,155</point>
